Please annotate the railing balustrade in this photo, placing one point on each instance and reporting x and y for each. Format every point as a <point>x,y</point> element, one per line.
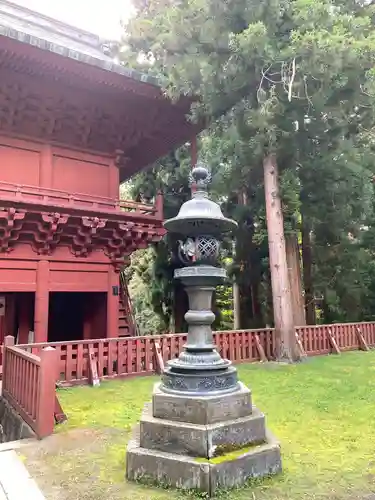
<point>134,356</point>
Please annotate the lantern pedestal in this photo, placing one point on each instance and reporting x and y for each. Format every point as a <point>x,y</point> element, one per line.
<point>201,430</point>
<point>200,370</point>
<point>204,443</point>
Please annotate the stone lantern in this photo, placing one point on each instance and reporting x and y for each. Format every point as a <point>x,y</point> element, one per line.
<point>201,430</point>
<point>200,370</point>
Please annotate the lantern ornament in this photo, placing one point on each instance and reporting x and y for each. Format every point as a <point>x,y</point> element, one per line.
<point>201,225</point>
<point>202,249</point>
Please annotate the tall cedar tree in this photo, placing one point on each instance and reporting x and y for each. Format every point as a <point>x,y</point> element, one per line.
<point>292,78</point>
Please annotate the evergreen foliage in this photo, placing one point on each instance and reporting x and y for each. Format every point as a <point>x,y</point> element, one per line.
<point>290,77</point>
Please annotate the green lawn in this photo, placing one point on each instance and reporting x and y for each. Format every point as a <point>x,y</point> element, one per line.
<point>322,411</point>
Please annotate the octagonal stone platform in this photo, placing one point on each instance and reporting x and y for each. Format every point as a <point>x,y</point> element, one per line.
<point>200,440</point>
<point>185,472</point>
<point>203,443</point>
<point>202,410</point>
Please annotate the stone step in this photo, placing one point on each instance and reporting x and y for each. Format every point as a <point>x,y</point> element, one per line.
<point>202,410</point>
<point>167,469</point>
<point>15,480</point>
<point>185,472</point>
<point>200,440</point>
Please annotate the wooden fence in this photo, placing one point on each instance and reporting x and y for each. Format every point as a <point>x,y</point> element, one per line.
<point>29,385</point>
<point>320,339</point>
<point>124,357</point>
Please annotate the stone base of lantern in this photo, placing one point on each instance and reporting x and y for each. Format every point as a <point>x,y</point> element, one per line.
<point>202,443</point>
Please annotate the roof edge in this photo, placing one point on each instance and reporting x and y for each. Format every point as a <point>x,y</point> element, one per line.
<point>15,8</point>
<point>105,63</point>
<point>60,50</point>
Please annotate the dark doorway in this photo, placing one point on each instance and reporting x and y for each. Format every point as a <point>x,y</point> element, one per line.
<point>24,303</point>
<point>66,316</point>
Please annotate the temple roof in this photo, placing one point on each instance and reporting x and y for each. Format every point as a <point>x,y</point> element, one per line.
<point>59,85</point>
<point>49,34</point>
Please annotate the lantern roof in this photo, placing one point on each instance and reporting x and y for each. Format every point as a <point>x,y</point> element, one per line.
<point>200,215</point>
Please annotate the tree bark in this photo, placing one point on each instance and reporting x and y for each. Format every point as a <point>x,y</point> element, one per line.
<point>286,347</point>
<point>236,307</point>
<point>307,274</point>
<point>295,281</point>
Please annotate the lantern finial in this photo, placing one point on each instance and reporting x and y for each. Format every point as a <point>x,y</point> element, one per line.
<point>200,176</point>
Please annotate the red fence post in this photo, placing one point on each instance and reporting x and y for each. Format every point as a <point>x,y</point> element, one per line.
<point>46,397</point>
<point>8,342</point>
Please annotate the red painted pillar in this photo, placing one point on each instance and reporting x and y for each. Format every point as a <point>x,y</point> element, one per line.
<point>45,411</point>
<point>2,323</point>
<point>41,302</point>
<point>3,304</point>
<point>113,303</point>
<point>159,206</point>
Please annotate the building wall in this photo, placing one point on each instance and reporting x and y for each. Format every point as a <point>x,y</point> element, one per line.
<point>41,165</point>
<point>66,273</point>
<point>44,167</point>
<point>20,273</point>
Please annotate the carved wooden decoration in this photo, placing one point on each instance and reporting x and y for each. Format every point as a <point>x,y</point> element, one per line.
<point>11,222</point>
<point>88,231</point>
<point>82,234</point>
<point>119,243</point>
<point>48,232</point>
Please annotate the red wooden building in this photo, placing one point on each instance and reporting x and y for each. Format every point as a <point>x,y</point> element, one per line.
<point>73,125</point>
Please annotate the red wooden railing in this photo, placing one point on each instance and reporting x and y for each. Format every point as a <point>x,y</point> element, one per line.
<point>315,339</point>
<point>30,371</point>
<point>29,385</point>
<point>17,193</point>
<point>124,357</point>
<point>135,355</point>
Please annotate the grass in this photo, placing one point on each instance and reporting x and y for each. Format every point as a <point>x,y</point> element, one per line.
<point>322,411</point>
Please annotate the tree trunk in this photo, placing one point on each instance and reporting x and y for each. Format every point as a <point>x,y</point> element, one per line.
<point>236,307</point>
<point>307,274</point>
<point>294,272</point>
<point>237,289</point>
<point>256,305</point>
<point>286,346</point>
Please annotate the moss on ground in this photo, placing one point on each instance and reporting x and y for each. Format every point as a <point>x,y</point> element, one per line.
<point>322,411</point>
<point>227,456</point>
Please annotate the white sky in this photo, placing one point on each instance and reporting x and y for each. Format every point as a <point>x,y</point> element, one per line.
<point>97,16</point>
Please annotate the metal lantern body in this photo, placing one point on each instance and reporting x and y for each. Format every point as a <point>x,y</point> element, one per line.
<point>200,369</point>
